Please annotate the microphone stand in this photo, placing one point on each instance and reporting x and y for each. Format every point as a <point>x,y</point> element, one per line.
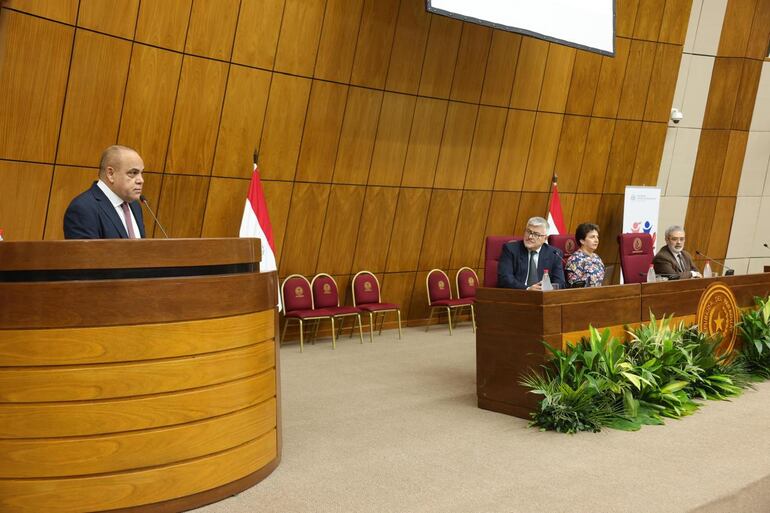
<point>728,271</point>
<point>143,199</point>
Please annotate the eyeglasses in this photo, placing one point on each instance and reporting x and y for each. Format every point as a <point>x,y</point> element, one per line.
<point>534,235</point>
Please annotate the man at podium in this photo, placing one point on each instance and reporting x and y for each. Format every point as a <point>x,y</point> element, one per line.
<point>110,209</point>
<point>523,263</point>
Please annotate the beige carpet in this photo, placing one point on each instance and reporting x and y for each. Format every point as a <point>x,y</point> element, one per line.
<point>393,427</point>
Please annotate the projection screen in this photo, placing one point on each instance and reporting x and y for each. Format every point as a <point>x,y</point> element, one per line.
<point>586,24</point>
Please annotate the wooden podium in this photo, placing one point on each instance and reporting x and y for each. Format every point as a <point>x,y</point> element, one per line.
<point>511,325</point>
<point>135,375</point>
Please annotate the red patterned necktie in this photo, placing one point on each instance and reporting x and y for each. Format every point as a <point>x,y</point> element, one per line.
<point>127,217</point>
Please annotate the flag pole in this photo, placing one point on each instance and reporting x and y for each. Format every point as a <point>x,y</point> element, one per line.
<point>256,157</point>
<point>550,194</point>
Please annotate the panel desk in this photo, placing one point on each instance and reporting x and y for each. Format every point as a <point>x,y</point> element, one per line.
<point>135,375</point>
<point>513,323</point>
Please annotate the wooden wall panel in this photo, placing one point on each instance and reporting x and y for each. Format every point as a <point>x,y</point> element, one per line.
<point>149,105</point>
<point>531,204</point>
<point>340,230</point>
<point>65,11</point>
<point>424,142</point>
<point>67,183</point>
<point>359,130</point>
<point>569,157</point>
<point>242,116</point>
<point>256,35</point>
<point>181,206</point>
<point>408,52</point>
<point>747,94</point>
<point>611,80</point>
<point>391,144</point>
<point>597,153</point>
<point>542,152</point>
<point>33,88</point>
<point>164,23</point>
<point>322,132</point>
<point>408,227</point>
<point>503,208</point>
<point>760,32</point>
<point>736,28</point>
<point>374,232</point>
<point>455,145</point>
<point>224,207</point>
<point>440,229</point>
<point>212,28</point>
<point>698,222</point>
<point>709,162</point>
<point>196,116</point>
<point>720,228</point>
<point>92,110</point>
<point>485,152</point>
<point>471,63</point>
<point>676,16</point>
<point>515,150</point>
<point>24,199</point>
<point>305,227</point>
<point>586,210</point>
<point>660,95</point>
<point>338,43</point>
<point>397,288</point>
<point>300,31</point>
<point>649,153</point>
<point>723,91</point>
<point>469,235</point>
<point>114,18</point>
<point>636,83</point>
<point>530,68</point>
<point>440,57</point>
<point>375,40</point>
<point>625,17</point>
<point>731,173</point>
<point>620,166</point>
<point>284,120</point>
<point>610,219</point>
<point>582,86</point>
<point>556,78</point>
<point>501,67</point>
<point>418,302</point>
<point>649,18</point>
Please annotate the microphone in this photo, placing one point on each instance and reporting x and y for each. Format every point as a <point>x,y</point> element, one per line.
<point>728,270</point>
<point>143,199</point>
<point>765,245</point>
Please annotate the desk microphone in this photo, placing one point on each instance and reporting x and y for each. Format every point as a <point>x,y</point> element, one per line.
<point>143,199</point>
<point>728,271</point>
<point>765,245</point>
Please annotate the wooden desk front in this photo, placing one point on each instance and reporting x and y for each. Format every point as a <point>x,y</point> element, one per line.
<point>513,323</point>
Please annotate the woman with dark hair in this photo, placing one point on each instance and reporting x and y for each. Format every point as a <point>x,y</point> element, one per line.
<point>585,264</point>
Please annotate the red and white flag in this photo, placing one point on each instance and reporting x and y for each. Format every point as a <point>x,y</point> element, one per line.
<point>256,223</point>
<point>556,224</point>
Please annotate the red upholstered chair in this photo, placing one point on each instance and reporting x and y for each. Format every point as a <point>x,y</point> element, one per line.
<point>298,304</point>
<point>440,296</point>
<point>466,281</point>
<point>326,296</point>
<point>492,249</point>
<point>367,298</point>
<point>636,254</point>
<point>566,244</point>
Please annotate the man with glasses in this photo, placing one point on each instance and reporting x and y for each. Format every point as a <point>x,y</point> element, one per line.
<point>672,259</point>
<point>522,263</point>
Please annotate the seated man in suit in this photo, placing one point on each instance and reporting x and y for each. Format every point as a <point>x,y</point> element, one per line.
<point>672,258</point>
<point>110,209</point>
<point>522,263</point>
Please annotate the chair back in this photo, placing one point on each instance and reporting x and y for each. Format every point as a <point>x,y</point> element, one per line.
<point>466,282</point>
<point>636,254</point>
<point>437,285</point>
<point>566,243</point>
<point>492,249</point>
<point>365,288</point>
<point>295,293</point>
<point>325,293</point>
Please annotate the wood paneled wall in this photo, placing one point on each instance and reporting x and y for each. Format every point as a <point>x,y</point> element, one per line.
<point>729,109</point>
<point>390,139</point>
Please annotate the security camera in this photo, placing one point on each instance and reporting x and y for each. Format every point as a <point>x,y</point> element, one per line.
<point>676,116</point>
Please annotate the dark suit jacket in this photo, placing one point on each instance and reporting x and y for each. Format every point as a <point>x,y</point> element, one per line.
<point>665,263</point>
<point>91,216</point>
<point>514,261</point>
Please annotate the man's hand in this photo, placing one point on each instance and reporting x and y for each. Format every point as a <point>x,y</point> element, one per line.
<point>536,286</point>
<point>696,274</point>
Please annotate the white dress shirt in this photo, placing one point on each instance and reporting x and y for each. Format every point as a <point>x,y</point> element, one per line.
<point>116,204</point>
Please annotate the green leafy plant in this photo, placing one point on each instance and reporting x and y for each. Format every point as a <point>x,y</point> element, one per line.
<point>755,330</point>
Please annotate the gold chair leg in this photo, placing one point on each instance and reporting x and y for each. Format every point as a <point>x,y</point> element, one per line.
<point>473,318</point>
<point>398,312</point>
<point>301,336</point>
<point>371,329</point>
<point>360,330</point>
<point>449,319</point>
<point>315,331</point>
<point>342,323</point>
<point>382,322</point>
<point>334,338</point>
